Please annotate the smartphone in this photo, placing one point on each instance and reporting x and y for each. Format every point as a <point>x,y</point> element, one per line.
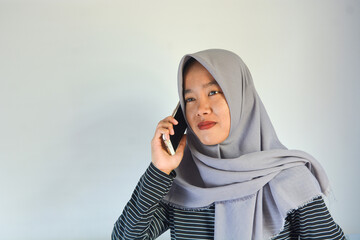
<point>179,129</point>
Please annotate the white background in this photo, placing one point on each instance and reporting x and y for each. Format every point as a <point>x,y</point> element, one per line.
<point>84,83</point>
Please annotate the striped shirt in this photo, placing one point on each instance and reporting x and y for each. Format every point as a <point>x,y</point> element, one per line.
<point>146,217</point>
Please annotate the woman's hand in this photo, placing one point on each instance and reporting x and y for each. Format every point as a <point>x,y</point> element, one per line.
<point>159,155</point>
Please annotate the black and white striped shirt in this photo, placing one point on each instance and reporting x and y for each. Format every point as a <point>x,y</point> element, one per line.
<point>146,217</point>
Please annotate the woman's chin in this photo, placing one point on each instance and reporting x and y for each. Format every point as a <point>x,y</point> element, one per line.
<point>209,141</point>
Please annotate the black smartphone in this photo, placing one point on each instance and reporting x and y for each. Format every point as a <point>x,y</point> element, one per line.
<point>179,130</point>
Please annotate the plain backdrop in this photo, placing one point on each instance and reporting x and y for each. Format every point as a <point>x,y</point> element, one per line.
<point>83,85</point>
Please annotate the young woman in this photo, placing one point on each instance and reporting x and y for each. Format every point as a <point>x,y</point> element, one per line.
<point>231,178</point>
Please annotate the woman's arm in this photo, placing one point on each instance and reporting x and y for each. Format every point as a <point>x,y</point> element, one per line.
<point>144,216</point>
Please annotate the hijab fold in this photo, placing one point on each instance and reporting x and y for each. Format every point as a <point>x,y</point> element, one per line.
<point>251,177</point>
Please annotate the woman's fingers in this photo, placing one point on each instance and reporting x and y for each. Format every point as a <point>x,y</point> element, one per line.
<point>162,131</point>
<point>166,126</point>
<point>171,119</point>
<point>181,147</point>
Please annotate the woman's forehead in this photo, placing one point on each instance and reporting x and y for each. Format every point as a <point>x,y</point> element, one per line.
<point>197,75</point>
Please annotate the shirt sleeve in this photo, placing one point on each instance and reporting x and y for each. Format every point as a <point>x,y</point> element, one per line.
<point>144,216</point>
<point>313,221</point>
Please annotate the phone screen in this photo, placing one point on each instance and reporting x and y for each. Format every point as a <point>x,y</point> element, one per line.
<point>179,130</point>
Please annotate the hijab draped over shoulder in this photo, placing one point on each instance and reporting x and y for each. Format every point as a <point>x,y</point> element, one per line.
<point>253,180</point>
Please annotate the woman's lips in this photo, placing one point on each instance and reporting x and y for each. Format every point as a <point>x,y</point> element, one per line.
<point>206,125</point>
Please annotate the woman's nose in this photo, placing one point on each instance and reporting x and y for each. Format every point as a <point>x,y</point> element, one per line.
<point>203,107</point>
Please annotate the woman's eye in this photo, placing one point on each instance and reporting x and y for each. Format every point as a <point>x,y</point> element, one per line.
<point>213,93</point>
<point>189,100</point>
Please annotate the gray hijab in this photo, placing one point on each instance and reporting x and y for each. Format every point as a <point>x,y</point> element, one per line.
<point>251,177</point>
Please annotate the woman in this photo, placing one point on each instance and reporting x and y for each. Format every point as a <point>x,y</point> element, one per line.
<point>230,178</point>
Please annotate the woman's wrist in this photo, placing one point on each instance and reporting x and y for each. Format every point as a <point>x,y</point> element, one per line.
<point>164,170</point>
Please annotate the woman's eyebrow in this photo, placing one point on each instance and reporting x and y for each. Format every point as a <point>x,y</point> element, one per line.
<point>204,86</point>
<point>210,84</point>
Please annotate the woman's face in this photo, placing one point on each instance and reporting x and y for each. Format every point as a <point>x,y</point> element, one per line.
<point>206,109</point>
